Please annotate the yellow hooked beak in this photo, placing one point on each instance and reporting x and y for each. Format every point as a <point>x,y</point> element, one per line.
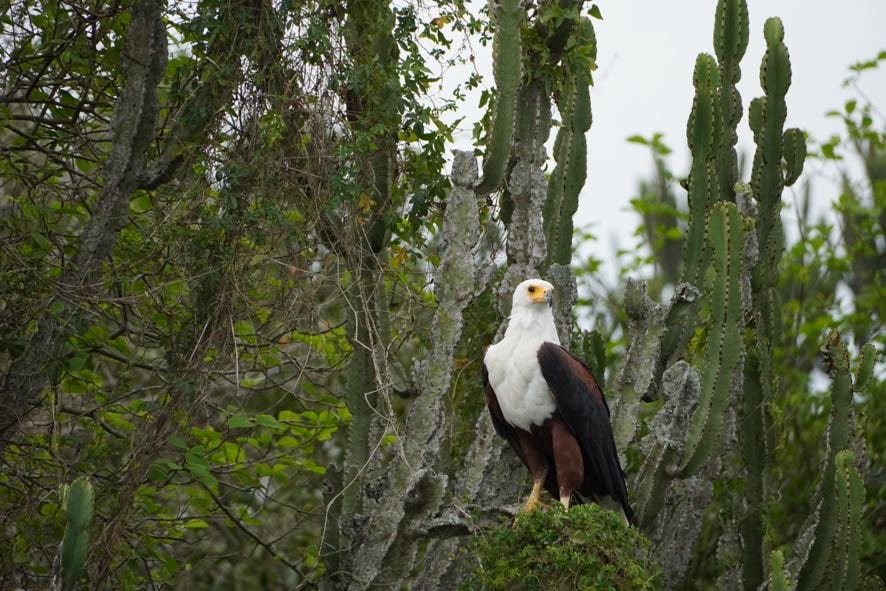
<point>539,294</point>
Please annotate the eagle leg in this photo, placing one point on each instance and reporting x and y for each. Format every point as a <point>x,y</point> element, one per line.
<point>534,497</point>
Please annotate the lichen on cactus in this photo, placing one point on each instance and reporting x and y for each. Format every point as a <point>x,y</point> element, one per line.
<point>79,501</point>
<point>570,151</point>
<point>664,445</point>
<point>507,61</point>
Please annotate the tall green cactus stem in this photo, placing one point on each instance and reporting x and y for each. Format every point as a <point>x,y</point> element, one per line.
<point>702,132</point>
<point>815,552</point>
<point>730,42</point>
<point>753,453</point>
<point>79,504</point>
<point>724,349</point>
<point>865,370</point>
<point>570,152</point>
<point>849,500</point>
<point>778,161</point>
<point>532,130</point>
<point>767,116</point>
<point>507,61</point>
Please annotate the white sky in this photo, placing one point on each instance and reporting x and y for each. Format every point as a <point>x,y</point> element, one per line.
<point>643,85</point>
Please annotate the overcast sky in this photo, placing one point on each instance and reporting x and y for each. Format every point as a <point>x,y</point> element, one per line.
<point>643,85</point>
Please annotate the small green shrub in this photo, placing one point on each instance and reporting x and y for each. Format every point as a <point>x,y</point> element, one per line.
<point>587,547</point>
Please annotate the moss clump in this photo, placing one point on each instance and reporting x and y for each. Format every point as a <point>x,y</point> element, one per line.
<point>587,547</point>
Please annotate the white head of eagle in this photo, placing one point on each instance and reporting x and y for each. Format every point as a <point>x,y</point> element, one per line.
<point>549,407</point>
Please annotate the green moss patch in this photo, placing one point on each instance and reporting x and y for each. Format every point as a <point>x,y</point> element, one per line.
<point>587,547</point>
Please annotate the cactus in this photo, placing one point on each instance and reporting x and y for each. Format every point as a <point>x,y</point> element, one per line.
<point>507,60</point>
<point>79,500</point>
<point>766,117</point>
<point>724,349</point>
<point>827,548</point>
<point>570,153</point>
<point>849,499</point>
<point>730,43</point>
<point>702,133</point>
<point>687,429</point>
<point>778,576</point>
<point>865,367</point>
<point>664,447</point>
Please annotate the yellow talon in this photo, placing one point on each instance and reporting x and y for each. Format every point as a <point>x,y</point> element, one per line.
<point>534,498</point>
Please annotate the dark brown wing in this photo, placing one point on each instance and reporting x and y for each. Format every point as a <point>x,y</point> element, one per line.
<point>581,403</point>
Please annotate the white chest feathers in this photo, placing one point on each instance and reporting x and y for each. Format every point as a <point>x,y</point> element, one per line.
<point>516,378</point>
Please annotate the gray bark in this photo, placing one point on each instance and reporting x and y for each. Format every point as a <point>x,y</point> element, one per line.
<point>393,523</point>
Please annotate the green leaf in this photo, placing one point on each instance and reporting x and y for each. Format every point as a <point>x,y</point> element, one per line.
<point>268,421</point>
<point>196,524</point>
<point>44,246</point>
<point>177,442</point>
<point>239,422</point>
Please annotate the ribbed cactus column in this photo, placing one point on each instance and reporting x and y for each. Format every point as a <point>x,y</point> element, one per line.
<point>78,500</point>
<point>703,132</point>
<point>570,151</point>
<point>724,350</point>
<point>507,67</point>
<point>826,554</point>
<point>778,576</point>
<point>778,161</point>
<point>670,492</point>
<point>730,42</point>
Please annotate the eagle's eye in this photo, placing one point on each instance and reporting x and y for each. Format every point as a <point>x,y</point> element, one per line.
<point>531,289</point>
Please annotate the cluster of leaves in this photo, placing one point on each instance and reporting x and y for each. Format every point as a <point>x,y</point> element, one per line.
<point>587,547</point>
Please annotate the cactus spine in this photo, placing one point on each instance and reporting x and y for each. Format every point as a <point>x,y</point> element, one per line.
<point>507,60</point>
<point>79,504</point>
<point>570,153</point>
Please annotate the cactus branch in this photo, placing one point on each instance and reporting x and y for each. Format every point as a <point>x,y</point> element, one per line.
<point>79,504</point>
<point>507,60</point>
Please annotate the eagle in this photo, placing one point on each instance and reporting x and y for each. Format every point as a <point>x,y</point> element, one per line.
<point>549,407</point>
